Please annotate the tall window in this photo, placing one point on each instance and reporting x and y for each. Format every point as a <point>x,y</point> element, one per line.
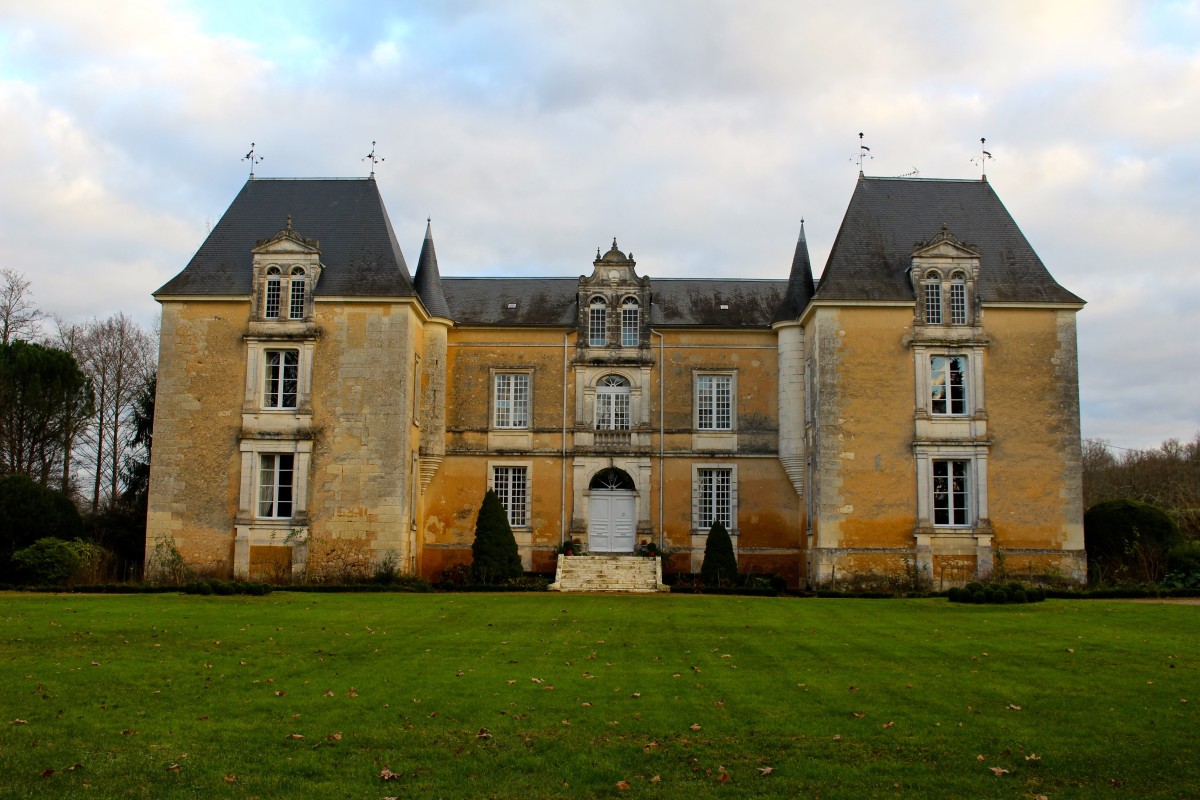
<point>274,286</point>
<point>933,299</point>
<point>715,501</point>
<point>275,485</point>
<point>598,323</point>
<point>631,323</point>
<point>512,400</point>
<point>951,493</point>
<point>282,378</point>
<point>511,485</point>
<point>714,402</point>
<point>948,384</point>
<point>958,299</point>
<point>296,309</point>
<point>612,403</point>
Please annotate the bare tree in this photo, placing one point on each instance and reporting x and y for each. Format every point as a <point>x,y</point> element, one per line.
<point>119,358</point>
<point>18,315</point>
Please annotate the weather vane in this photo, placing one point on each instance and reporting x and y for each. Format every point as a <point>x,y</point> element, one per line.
<point>983,157</point>
<point>864,152</point>
<point>253,159</point>
<point>374,159</point>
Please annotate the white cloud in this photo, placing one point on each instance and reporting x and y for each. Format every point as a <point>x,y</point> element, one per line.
<point>697,133</point>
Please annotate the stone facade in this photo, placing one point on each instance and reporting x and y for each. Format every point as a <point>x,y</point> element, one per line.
<point>320,410</point>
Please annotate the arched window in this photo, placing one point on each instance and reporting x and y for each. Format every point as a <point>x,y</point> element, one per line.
<point>598,323</point>
<point>296,307</point>
<point>933,298</point>
<point>611,480</point>
<point>631,323</point>
<point>271,297</point>
<point>958,299</point>
<point>612,403</point>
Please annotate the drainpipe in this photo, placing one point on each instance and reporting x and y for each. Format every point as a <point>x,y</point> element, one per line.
<point>562,513</point>
<point>662,373</point>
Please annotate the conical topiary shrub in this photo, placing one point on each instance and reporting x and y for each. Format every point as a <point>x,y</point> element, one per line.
<point>719,563</point>
<point>494,556</point>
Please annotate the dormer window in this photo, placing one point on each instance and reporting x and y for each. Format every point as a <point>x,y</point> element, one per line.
<point>958,299</point>
<point>933,298</point>
<point>274,287</point>
<point>631,323</point>
<point>298,288</point>
<point>598,322</point>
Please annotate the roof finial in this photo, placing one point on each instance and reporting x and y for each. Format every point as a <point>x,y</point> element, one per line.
<point>983,157</point>
<point>374,159</point>
<point>289,222</point>
<point>253,159</point>
<point>614,243</point>
<point>864,152</point>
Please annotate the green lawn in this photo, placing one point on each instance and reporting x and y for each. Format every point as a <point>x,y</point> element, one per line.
<point>544,695</point>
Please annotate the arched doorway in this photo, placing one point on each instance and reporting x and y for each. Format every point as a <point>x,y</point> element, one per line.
<point>612,512</point>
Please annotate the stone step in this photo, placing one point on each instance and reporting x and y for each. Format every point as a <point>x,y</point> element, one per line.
<point>607,573</point>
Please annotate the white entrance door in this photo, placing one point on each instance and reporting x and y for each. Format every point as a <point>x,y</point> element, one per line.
<point>611,524</point>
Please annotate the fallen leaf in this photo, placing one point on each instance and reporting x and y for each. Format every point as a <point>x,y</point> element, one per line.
<point>329,692</point>
<point>337,737</point>
<point>174,768</point>
<point>95,663</point>
<point>387,774</point>
<point>859,714</point>
<point>998,770</point>
<point>295,736</point>
<point>1013,707</point>
<point>656,779</point>
<point>624,786</point>
<point>636,694</point>
<point>537,680</point>
<point>280,693</point>
<point>719,703</point>
<point>483,734</point>
<point>765,770</point>
<point>352,693</point>
<point>74,767</point>
<point>510,683</point>
<point>586,705</point>
<point>979,757</point>
<point>888,724</point>
<point>1070,649</point>
<point>723,777</point>
<point>1033,757</point>
<point>46,773</point>
<point>853,688</point>
<point>837,737</point>
<point>695,726</point>
<point>231,779</point>
<point>128,732</point>
<point>547,688</point>
<point>26,722</point>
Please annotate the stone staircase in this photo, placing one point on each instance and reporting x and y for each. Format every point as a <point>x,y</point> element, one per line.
<point>608,574</point>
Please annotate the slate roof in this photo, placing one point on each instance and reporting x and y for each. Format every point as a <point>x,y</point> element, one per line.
<point>552,301</point>
<point>888,216</point>
<point>800,283</point>
<point>359,252</point>
<point>428,281</point>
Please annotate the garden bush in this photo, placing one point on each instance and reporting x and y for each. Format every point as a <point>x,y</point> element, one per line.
<point>719,565</point>
<point>494,555</point>
<point>1127,541</point>
<point>48,561</point>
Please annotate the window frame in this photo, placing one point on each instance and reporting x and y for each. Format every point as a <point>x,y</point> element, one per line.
<point>954,503</point>
<point>275,379</point>
<point>707,496</point>
<point>933,298</point>
<point>514,402</point>
<point>297,279</point>
<point>598,322</point>
<point>631,322</point>
<point>958,299</point>
<point>270,490</point>
<point>273,293</point>
<point>613,401</point>
<point>943,379</point>
<point>518,513</point>
<point>707,414</point>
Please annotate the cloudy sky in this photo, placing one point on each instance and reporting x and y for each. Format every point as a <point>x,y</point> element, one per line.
<point>698,133</point>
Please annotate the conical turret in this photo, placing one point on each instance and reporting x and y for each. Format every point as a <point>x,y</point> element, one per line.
<point>427,281</point>
<point>800,283</point>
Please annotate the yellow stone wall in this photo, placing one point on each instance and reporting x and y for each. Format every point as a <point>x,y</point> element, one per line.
<point>197,418</point>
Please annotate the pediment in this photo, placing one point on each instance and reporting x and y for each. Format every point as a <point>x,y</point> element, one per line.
<point>288,240</point>
<point>944,245</point>
<point>613,268</point>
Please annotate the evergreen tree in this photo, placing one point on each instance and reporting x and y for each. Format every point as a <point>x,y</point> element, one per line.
<point>494,552</point>
<point>719,563</point>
